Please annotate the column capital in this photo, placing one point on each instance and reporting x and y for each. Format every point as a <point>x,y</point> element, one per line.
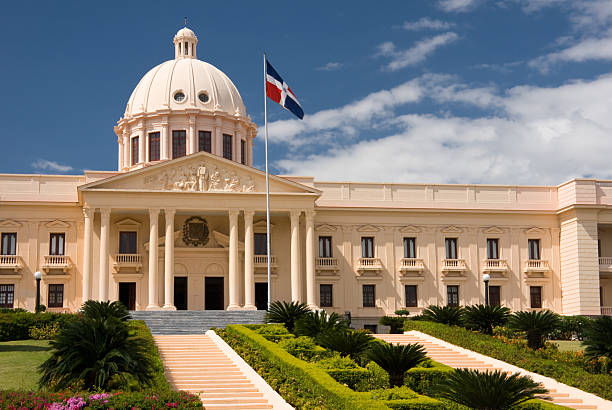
<point>233,213</point>
<point>169,212</point>
<point>88,212</point>
<point>153,212</point>
<point>294,214</point>
<point>105,212</point>
<point>310,214</point>
<point>249,213</point>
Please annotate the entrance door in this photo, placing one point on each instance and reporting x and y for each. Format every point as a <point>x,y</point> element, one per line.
<point>180,292</point>
<point>127,294</point>
<point>213,293</point>
<point>261,295</point>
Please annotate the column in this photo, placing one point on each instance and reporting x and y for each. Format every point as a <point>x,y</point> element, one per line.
<point>147,157</point>
<point>153,249</point>
<point>126,150</point>
<point>310,261</point>
<point>120,157</point>
<point>193,146</point>
<point>104,236</point>
<point>233,261</point>
<point>169,260</point>
<point>164,139</point>
<point>88,213</point>
<point>218,138</point>
<point>296,288</point>
<point>249,270</point>
<point>142,141</point>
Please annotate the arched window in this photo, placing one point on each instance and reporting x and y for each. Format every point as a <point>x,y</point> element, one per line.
<point>186,48</point>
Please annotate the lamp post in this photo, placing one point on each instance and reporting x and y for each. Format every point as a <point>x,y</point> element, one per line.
<point>38,277</point>
<point>486,277</point>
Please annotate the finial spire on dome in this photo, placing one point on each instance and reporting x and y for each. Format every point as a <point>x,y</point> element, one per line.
<point>185,42</point>
<point>185,20</point>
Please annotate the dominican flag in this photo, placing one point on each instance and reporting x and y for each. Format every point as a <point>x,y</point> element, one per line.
<point>278,91</point>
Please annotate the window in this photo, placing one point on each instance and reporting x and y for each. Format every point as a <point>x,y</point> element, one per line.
<point>599,248</point>
<point>56,296</point>
<point>227,146</point>
<point>411,295</point>
<point>7,296</point>
<point>203,97</point>
<point>154,146</point>
<point>179,97</point>
<point>9,243</point>
<point>204,141</point>
<point>452,295</point>
<point>57,242</point>
<point>179,143</point>
<point>261,244</point>
<point>371,328</point>
<point>369,295</point>
<point>186,48</point>
<point>127,242</point>
<point>325,296</point>
<point>495,295</point>
<point>451,248</point>
<point>367,247</point>
<point>535,294</point>
<point>242,151</point>
<point>325,246</point>
<point>409,247</point>
<point>492,248</point>
<point>534,249</point>
<point>134,150</point>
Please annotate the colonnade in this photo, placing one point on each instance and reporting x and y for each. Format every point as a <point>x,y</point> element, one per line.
<point>234,290</point>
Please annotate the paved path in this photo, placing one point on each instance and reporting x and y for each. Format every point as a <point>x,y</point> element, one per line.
<point>455,356</point>
<point>205,364</point>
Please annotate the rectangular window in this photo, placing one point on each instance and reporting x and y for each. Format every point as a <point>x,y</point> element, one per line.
<point>367,247</point>
<point>227,146</point>
<point>325,246</point>
<point>410,248</point>
<point>7,296</point>
<point>243,152</point>
<point>369,295</point>
<point>204,141</point>
<point>57,242</point>
<point>451,248</point>
<point>325,295</point>
<point>9,243</point>
<point>599,248</point>
<point>179,143</point>
<point>127,242</point>
<point>535,296</point>
<point>134,150</point>
<point>411,295</point>
<point>452,295</point>
<point>154,146</point>
<point>495,295</point>
<point>371,328</point>
<point>261,244</point>
<point>492,248</point>
<point>56,296</point>
<point>534,249</point>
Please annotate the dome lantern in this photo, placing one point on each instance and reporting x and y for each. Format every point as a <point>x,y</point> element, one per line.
<point>185,42</point>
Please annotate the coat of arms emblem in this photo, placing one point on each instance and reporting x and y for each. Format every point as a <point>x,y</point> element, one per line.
<point>195,231</point>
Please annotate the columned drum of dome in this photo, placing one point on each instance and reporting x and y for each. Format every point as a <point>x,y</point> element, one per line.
<point>187,95</point>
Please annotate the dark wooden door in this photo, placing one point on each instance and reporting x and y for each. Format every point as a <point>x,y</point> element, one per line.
<point>180,292</point>
<point>127,294</point>
<point>261,295</point>
<point>213,293</point>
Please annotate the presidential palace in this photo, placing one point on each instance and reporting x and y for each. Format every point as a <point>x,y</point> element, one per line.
<point>181,224</point>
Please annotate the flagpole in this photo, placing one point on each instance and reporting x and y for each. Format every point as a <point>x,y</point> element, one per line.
<point>267,183</point>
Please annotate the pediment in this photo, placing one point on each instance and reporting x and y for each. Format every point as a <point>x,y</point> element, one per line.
<point>260,226</point>
<point>7,223</point>
<point>409,229</point>
<point>128,223</point>
<point>451,229</point>
<point>57,224</point>
<point>535,231</point>
<point>325,228</point>
<point>493,230</point>
<point>368,228</point>
<point>199,172</point>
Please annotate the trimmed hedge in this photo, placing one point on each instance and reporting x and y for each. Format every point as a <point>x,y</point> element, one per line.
<point>159,382</point>
<point>17,325</point>
<point>598,384</point>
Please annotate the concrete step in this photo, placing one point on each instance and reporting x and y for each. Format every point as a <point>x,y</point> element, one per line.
<point>193,322</point>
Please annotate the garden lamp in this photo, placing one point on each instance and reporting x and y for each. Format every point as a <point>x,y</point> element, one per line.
<point>38,277</point>
<point>486,277</point>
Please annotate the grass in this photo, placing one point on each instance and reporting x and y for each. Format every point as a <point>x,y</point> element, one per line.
<point>19,361</point>
<point>569,345</point>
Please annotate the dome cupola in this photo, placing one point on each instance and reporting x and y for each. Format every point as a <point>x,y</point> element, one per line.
<point>185,43</point>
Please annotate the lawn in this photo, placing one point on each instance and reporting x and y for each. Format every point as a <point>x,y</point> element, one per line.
<point>19,362</point>
<point>569,345</point>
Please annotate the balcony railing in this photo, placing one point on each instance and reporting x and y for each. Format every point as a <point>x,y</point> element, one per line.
<point>408,265</point>
<point>536,266</point>
<point>11,262</point>
<point>605,263</point>
<point>261,261</point>
<point>606,310</point>
<point>369,264</point>
<point>453,265</point>
<point>127,261</point>
<point>56,262</point>
<point>494,265</point>
<point>326,264</point>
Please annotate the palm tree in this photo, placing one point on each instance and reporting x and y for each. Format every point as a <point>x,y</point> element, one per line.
<point>598,338</point>
<point>449,315</point>
<point>485,318</point>
<point>537,324</point>
<point>489,390</point>
<point>314,323</point>
<point>93,309</point>
<point>347,342</point>
<point>396,359</point>
<point>286,313</point>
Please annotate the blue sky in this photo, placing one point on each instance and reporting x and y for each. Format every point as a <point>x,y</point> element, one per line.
<point>460,91</point>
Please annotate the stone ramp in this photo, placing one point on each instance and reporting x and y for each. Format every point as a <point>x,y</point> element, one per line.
<point>191,322</point>
<point>457,357</point>
<point>204,364</point>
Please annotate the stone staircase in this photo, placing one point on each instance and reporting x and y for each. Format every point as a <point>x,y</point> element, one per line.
<point>192,322</point>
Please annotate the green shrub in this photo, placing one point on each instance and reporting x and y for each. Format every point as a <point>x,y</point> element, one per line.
<point>286,313</point>
<point>396,323</point>
<point>45,332</point>
<point>484,318</point>
<point>102,310</point>
<point>314,323</point>
<point>117,400</point>
<point>396,359</point>
<point>426,380</point>
<point>571,327</point>
<point>274,333</point>
<point>16,325</point>
<point>537,325</point>
<point>304,348</point>
<point>11,310</point>
<point>337,362</point>
<point>449,315</point>
<point>598,338</point>
<point>402,312</point>
<point>347,342</point>
<point>395,393</point>
<point>158,380</point>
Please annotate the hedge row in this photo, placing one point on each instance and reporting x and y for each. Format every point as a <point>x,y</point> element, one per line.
<point>159,383</point>
<point>598,384</point>
<point>17,325</point>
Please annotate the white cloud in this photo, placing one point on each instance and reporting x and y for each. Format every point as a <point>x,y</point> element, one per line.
<point>456,5</point>
<point>50,166</point>
<point>585,50</point>
<point>415,54</point>
<point>532,135</point>
<point>426,23</point>
<point>331,66</point>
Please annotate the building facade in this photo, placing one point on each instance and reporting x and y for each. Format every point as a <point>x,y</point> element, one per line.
<point>181,224</point>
